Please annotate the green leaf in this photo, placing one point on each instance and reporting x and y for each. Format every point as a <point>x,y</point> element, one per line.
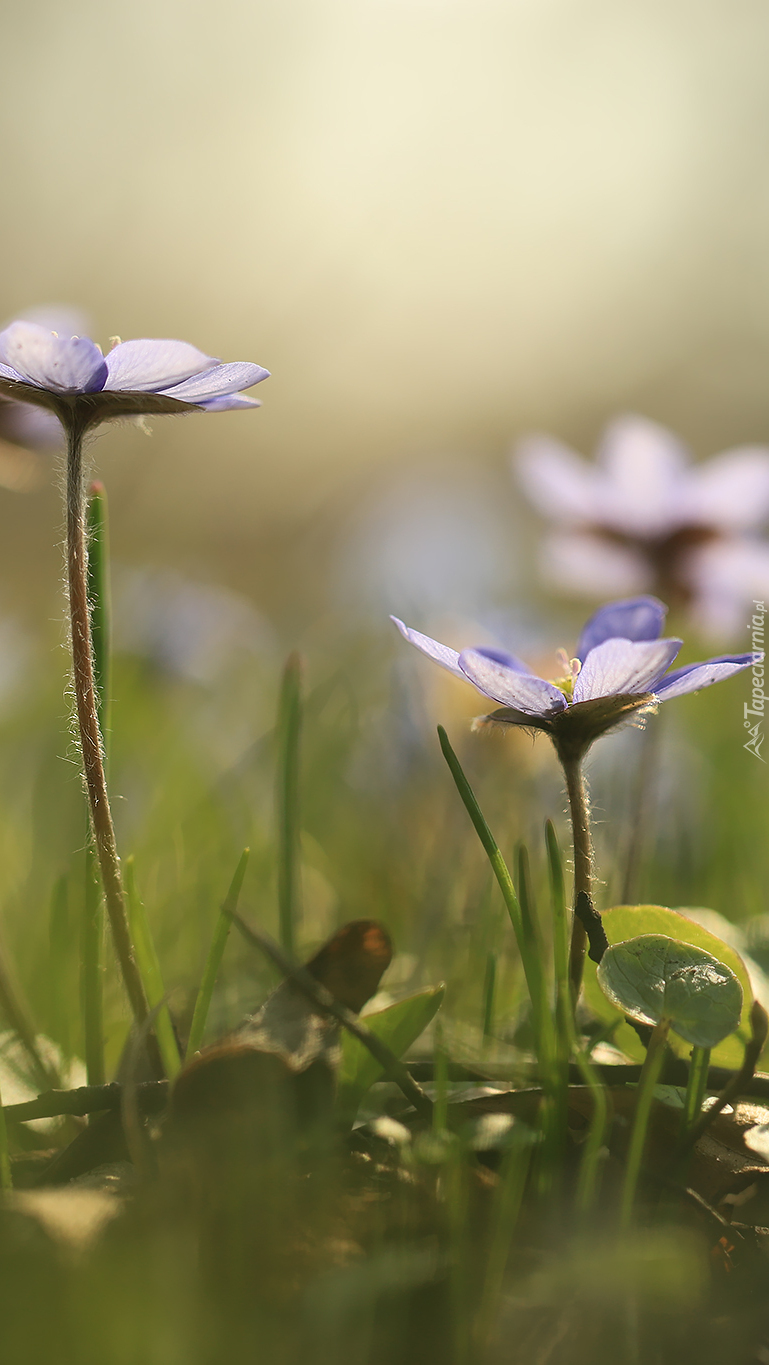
<point>628,921</point>
<point>399,1026</point>
<point>654,978</point>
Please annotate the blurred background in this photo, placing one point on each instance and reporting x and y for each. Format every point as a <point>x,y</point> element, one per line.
<point>439,223</point>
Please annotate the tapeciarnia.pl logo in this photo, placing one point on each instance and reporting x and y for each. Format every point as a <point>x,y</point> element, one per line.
<point>753,712</point>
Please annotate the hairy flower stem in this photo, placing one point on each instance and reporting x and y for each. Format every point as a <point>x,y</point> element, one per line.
<point>579,806</point>
<point>88,723</point>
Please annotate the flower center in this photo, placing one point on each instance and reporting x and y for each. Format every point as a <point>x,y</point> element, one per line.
<point>571,668</point>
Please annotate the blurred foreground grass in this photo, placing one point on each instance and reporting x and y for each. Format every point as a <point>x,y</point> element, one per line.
<point>327,1264</point>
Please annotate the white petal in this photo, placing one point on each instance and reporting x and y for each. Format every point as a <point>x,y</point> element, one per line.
<point>700,675</point>
<point>447,658</point>
<point>647,478</point>
<point>624,667</point>
<point>577,564</point>
<point>152,364</point>
<point>63,365</point>
<point>524,691</point>
<point>218,382</point>
<point>556,481</point>
<point>725,577</point>
<point>732,491</point>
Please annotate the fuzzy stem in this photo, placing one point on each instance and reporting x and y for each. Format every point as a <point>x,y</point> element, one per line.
<point>289,826</point>
<point>579,807</point>
<point>88,723</point>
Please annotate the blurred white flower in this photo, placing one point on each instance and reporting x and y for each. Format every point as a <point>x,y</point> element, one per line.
<point>643,518</point>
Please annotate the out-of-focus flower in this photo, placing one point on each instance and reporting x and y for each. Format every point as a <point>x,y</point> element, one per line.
<point>643,517</point>
<point>621,667</point>
<point>71,377</point>
<point>27,432</point>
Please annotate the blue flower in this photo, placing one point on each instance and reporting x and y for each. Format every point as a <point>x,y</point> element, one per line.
<point>71,377</point>
<point>621,668</point>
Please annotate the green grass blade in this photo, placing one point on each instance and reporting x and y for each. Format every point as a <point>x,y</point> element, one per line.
<point>539,1001</point>
<point>561,939</point>
<point>15,1011</point>
<point>587,1183</point>
<point>398,1026</point>
<point>61,953</point>
<point>650,1073</point>
<point>92,971</point>
<point>149,970</point>
<point>531,966</point>
<point>287,794</point>
<point>215,955</point>
<point>696,1086</point>
<point>440,1080</point>
<point>489,992</point>
<point>553,1109</point>
<point>6,1181</point>
<point>567,1043</point>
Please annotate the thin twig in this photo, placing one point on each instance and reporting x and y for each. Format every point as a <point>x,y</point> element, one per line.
<point>325,1001</point>
<point>88,1099</point>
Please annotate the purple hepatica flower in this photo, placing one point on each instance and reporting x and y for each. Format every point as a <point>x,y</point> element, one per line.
<point>621,668</point>
<point>32,428</point>
<point>72,378</point>
<point>643,517</point>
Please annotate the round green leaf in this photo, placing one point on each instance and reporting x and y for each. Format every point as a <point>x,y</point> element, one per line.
<point>628,921</point>
<point>653,978</point>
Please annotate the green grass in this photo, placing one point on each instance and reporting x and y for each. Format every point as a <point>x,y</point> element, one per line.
<point>379,1258</point>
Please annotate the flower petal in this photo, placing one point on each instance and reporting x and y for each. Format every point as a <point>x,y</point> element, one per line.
<point>216,383</point>
<point>501,656</point>
<point>626,667</point>
<point>31,428</point>
<point>150,365</point>
<point>725,577</point>
<point>637,618</point>
<point>556,481</point>
<point>59,364</point>
<point>447,658</point>
<point>692,677</point>
<point>582,564</point>
<point>732,491</point>
<point>227,402</point>
<point>646,478</point>
<point>507,685</point>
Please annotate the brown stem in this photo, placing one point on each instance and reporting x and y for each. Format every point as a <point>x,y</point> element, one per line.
<point>88,723</point>
<point>579,807</point>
